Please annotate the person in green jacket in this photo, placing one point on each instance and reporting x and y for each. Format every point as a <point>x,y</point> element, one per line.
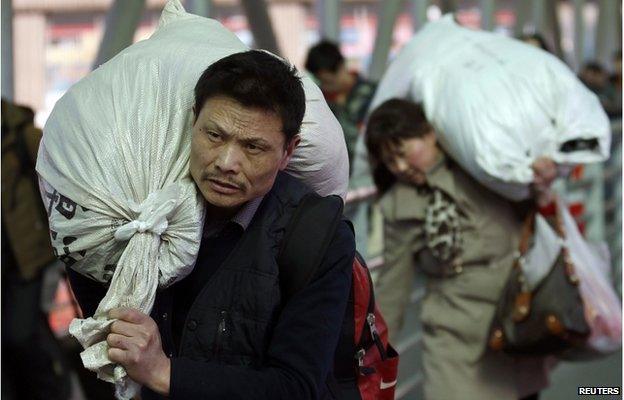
<point>347,93</point>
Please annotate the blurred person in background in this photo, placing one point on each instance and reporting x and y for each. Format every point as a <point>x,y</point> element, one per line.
<point>535,39</point>
<point>463,237</point>
<point>595,77</point>
<point>347,93</point>
<point>616,77</point>
<point>615,81</point>
<point>33,366</point>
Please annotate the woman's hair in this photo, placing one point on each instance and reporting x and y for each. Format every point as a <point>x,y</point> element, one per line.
<point>391,123</point>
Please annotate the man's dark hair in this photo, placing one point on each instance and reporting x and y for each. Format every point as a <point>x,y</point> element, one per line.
<point>325,55</point>
<point>259,80</point>
<point>390,123</point>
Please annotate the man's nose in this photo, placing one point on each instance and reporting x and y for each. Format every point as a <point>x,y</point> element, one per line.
<point>229,159</point>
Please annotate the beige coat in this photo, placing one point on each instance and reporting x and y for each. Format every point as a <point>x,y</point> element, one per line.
<point>456,310</point>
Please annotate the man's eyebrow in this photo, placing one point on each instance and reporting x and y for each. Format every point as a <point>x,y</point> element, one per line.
<point>256,141</point>
<point>215,127</point>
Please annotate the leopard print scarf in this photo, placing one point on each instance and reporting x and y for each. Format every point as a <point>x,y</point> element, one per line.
<point>442,226</point>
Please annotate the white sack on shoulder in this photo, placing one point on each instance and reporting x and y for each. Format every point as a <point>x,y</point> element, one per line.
<point>116,150</point>
<point>496,103</point>
<point>320,159</point>
<point>113,164</point>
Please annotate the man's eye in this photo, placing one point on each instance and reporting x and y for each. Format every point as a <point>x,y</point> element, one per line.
<point>253,149</point>
<point>213,135</point>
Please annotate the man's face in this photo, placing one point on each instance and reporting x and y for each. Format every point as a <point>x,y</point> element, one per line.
<point>236,152</point>
<point>334,82</point>
<point>594,79</point>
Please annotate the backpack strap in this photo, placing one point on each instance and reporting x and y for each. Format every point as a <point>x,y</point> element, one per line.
<point>306,239</point>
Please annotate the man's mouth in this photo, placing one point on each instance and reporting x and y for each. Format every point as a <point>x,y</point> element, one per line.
<point>223,187</point>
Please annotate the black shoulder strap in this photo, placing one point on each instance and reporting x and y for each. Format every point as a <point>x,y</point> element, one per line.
<point>306,240</point>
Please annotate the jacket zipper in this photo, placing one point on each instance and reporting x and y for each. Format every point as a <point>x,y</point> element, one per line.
<point>222,329</point>
<point>206,287</point>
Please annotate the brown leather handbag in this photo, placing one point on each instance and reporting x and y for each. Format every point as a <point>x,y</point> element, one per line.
<point>548,320</point>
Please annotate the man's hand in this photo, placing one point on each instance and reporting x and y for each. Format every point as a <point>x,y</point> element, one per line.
<point>134,342</point>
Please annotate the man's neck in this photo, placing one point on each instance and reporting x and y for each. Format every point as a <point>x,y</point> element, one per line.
<point>214,213</point>
<point>341,97</point>
<point>353,80</point>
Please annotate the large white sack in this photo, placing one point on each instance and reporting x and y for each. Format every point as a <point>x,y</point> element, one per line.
<point>496,103</point>
<point>320,159</point>
<point>113,164</point>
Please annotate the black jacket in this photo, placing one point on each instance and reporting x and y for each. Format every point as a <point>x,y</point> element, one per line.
<point>239,340</point>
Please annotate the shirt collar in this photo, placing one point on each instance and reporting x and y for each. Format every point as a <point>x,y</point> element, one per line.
<point>244,216</point>
<point>242,219</point>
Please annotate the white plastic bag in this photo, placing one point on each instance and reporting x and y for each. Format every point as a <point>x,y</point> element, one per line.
<point>603,309</point>
<point>113,164</point>
<point>539,259</point>
<point>497,104</point>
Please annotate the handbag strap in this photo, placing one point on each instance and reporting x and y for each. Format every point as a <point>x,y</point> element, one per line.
<point>527,230</point>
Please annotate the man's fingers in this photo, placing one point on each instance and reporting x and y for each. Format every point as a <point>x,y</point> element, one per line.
<point>123,357</point>
<point>124,350</point>
<point>126,328</point>
<point>117,355</point>
<point>127,314</point>
<point>118,341</point>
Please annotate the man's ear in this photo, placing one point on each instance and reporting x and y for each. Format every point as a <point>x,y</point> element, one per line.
<point>290,149</point>
<point>194,116</point>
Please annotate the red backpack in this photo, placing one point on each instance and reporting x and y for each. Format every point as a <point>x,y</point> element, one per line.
<point>365,364</point>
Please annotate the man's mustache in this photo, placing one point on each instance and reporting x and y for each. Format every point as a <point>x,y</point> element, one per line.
<point>219,177</point>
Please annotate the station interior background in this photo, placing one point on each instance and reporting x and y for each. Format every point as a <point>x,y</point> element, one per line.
<point>48,45</point>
